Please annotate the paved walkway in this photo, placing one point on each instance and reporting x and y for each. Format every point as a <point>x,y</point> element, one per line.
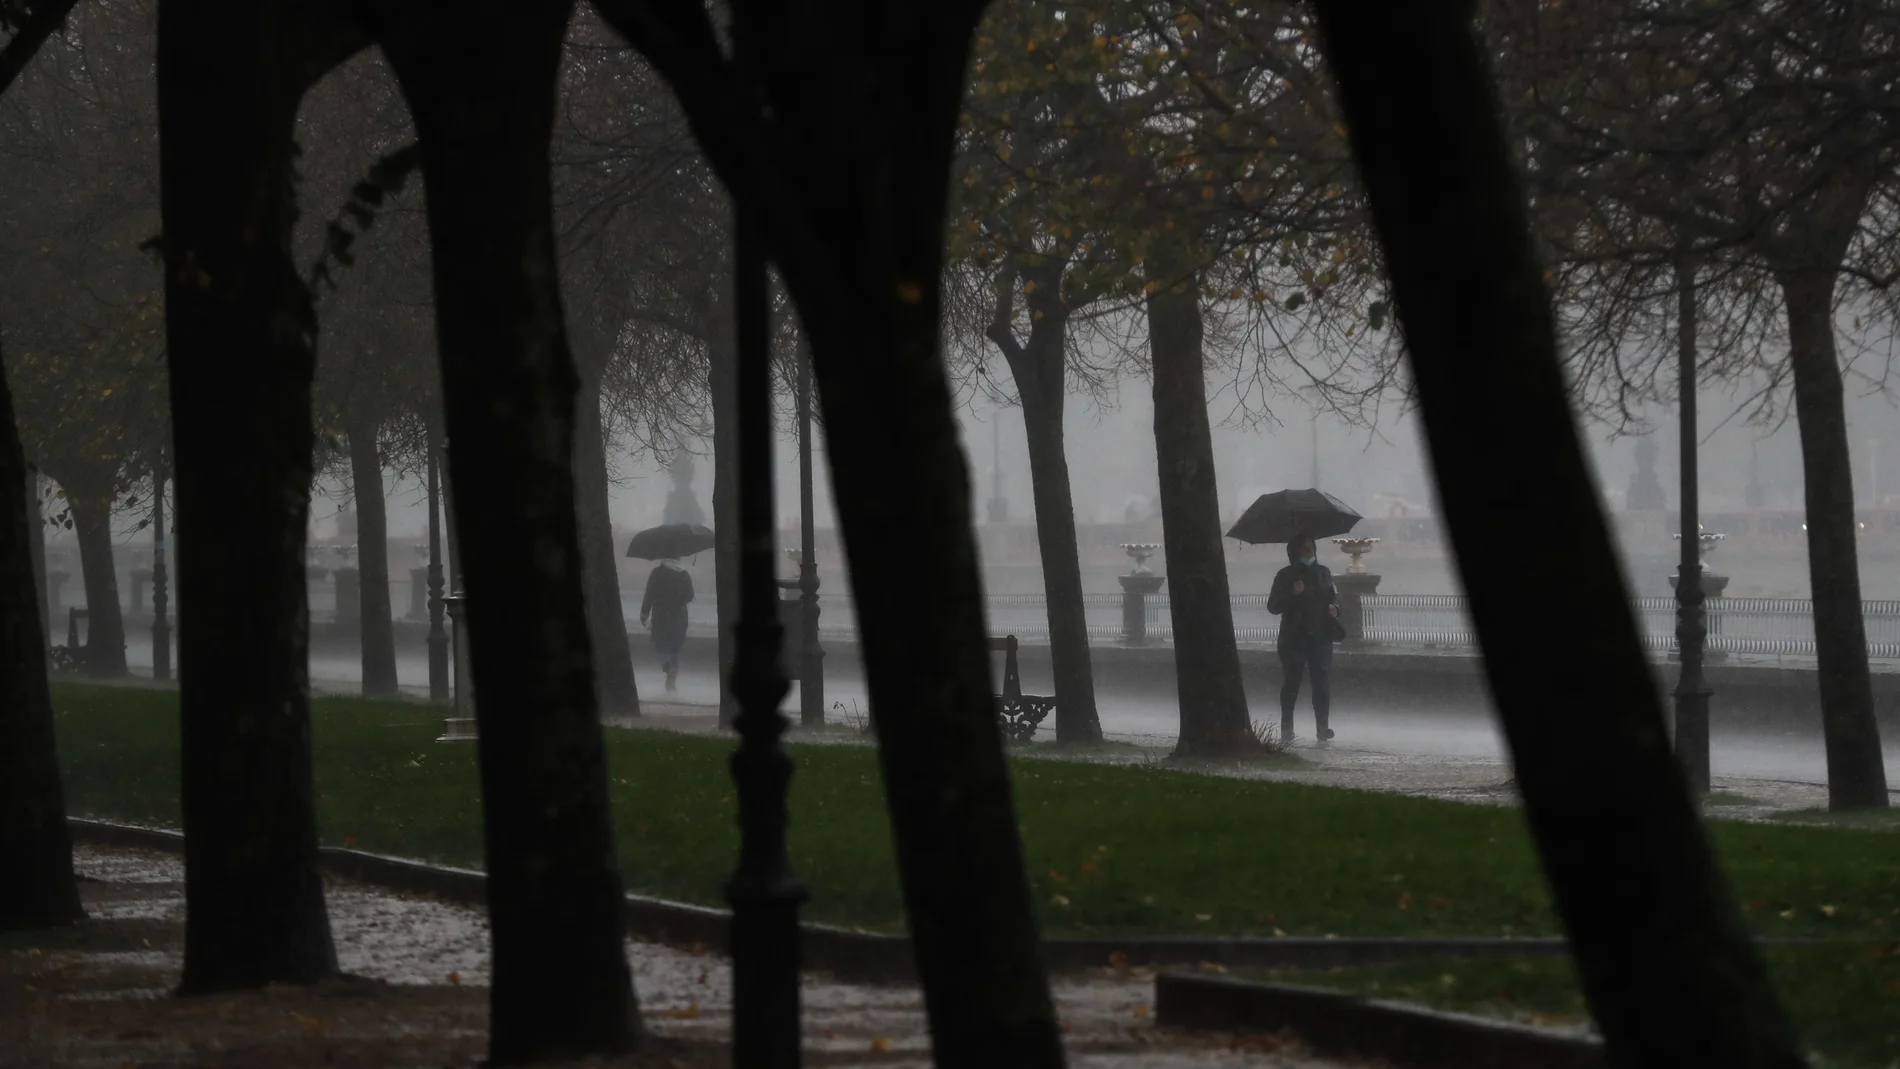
<point>1107,1018</point>
<point>1477,779</point>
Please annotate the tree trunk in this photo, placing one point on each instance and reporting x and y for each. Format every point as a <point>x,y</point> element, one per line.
<point>1651,920</point>
<point>872,191</point>
<point>1040,371</point>
<point>722,383</point>
<point>36,848</point>
<point>378,630</point>
<point>481,84</point>
<point>451,538</point>
<point>240,340</point>
<point>1856,770</point>
<point>606,621</point>
<point>1206,658</point>
<point>36,545</point>
<point>90,494</point>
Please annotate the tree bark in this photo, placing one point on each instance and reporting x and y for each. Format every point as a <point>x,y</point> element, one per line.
<point>240,339</point>
<point>36,545</point>
<point>855,223</point>
<point>1856,769</point>
<point>1651,920</point>
<point>606,621</point>
<point>378,630</point>
<point>36,848</point>
<point>481,85</point>
<point>1039,367</point>
<point>722,382</point>
<point>89,494</point>
<point>1206,657</point>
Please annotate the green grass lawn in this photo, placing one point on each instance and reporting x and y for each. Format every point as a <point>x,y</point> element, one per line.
<point>1844,998</point>
<point>1112,849</point>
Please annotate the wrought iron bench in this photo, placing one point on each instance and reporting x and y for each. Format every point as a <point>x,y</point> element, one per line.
<point>72,656</point>
<point>1019,713</point>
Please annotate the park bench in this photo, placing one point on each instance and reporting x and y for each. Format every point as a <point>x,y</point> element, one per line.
<point>1019,713</point>
<point>72,656</point>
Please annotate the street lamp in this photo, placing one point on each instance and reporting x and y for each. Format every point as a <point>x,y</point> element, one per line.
<point>438,638</point>
<point>161,627</point>
<point>764,894</point>
<point>811,661</point>
<point>1692,690</point>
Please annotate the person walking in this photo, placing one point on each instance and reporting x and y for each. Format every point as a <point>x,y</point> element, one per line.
<point>1304,598</point>
<point>669,591</point>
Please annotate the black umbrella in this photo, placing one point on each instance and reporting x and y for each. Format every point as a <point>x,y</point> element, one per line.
<point>670,540</point>
<point>1277,517</point>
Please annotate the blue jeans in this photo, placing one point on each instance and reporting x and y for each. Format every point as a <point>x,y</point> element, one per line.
<point>1315,657</point>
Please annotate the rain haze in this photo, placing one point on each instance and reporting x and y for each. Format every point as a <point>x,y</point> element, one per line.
<point>1021,533</point>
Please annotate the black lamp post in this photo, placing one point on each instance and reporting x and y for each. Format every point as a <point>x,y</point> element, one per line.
<point>438,637</point>
<point>1692,690</point>
<point>811,661</point>
<point>764,894</point>
<point>161,627</point>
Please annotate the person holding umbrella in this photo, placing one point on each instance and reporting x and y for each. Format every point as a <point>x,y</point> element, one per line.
<point>1303,593</point>
<point>669,591</point>
<point>1304,597</point>
<point>669,588</point>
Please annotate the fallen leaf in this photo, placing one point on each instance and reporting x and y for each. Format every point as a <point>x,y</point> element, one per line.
<point>881,1043</point>
<point>1141,1009</point>
<point>1440,903</point>
<point>455,978</point>
<point>1203,916</point>
<point>688,1012</point>
<point>349,840</point>
<point>1405,900</point>
<point>1060,900</point>
<point>1787,914</point>
<point>1118,960</point>
<point>1827,911</point>
<point>1212,966</point>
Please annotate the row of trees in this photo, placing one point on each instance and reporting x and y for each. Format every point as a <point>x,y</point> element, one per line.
<point>839,139</point>
<point>1114,165</point>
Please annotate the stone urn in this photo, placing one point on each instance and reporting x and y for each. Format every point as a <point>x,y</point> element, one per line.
<point>1137,585</point>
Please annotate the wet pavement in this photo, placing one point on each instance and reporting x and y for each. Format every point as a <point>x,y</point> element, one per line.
<point>1107,1017</point>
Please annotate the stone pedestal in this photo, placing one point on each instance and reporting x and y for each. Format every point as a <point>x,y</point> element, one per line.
<point>1712,587</point>
<point>349,596</point>
<point>460,725</point>
<point>55,583</point>
<point>1353,587</point>
<point>418,593</point>
<point>1136,586</point>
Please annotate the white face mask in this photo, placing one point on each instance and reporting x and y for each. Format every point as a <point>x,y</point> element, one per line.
<point>1309,561</point>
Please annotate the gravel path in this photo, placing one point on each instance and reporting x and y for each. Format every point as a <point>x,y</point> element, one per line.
<point>409,940</point>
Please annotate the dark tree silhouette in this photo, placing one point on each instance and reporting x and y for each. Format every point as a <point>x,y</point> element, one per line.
<point>1650,917</point>
<point>241,335</point>
<point>844,151</point>
<point>481,79</point>
<point>35,845</point>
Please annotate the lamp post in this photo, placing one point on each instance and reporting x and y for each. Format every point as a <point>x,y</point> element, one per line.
<point>764,894</point>
<point>1692,690</point>
<point>811,660</point>
<point>161,628</point>
<point>438,638</point>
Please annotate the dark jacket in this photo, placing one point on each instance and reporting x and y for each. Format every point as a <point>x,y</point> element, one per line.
<point>1306,619</point>
<point>669,591</point>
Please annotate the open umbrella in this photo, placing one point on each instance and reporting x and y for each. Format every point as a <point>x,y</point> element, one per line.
<point>670,540</point>
<point>1278,516</point>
